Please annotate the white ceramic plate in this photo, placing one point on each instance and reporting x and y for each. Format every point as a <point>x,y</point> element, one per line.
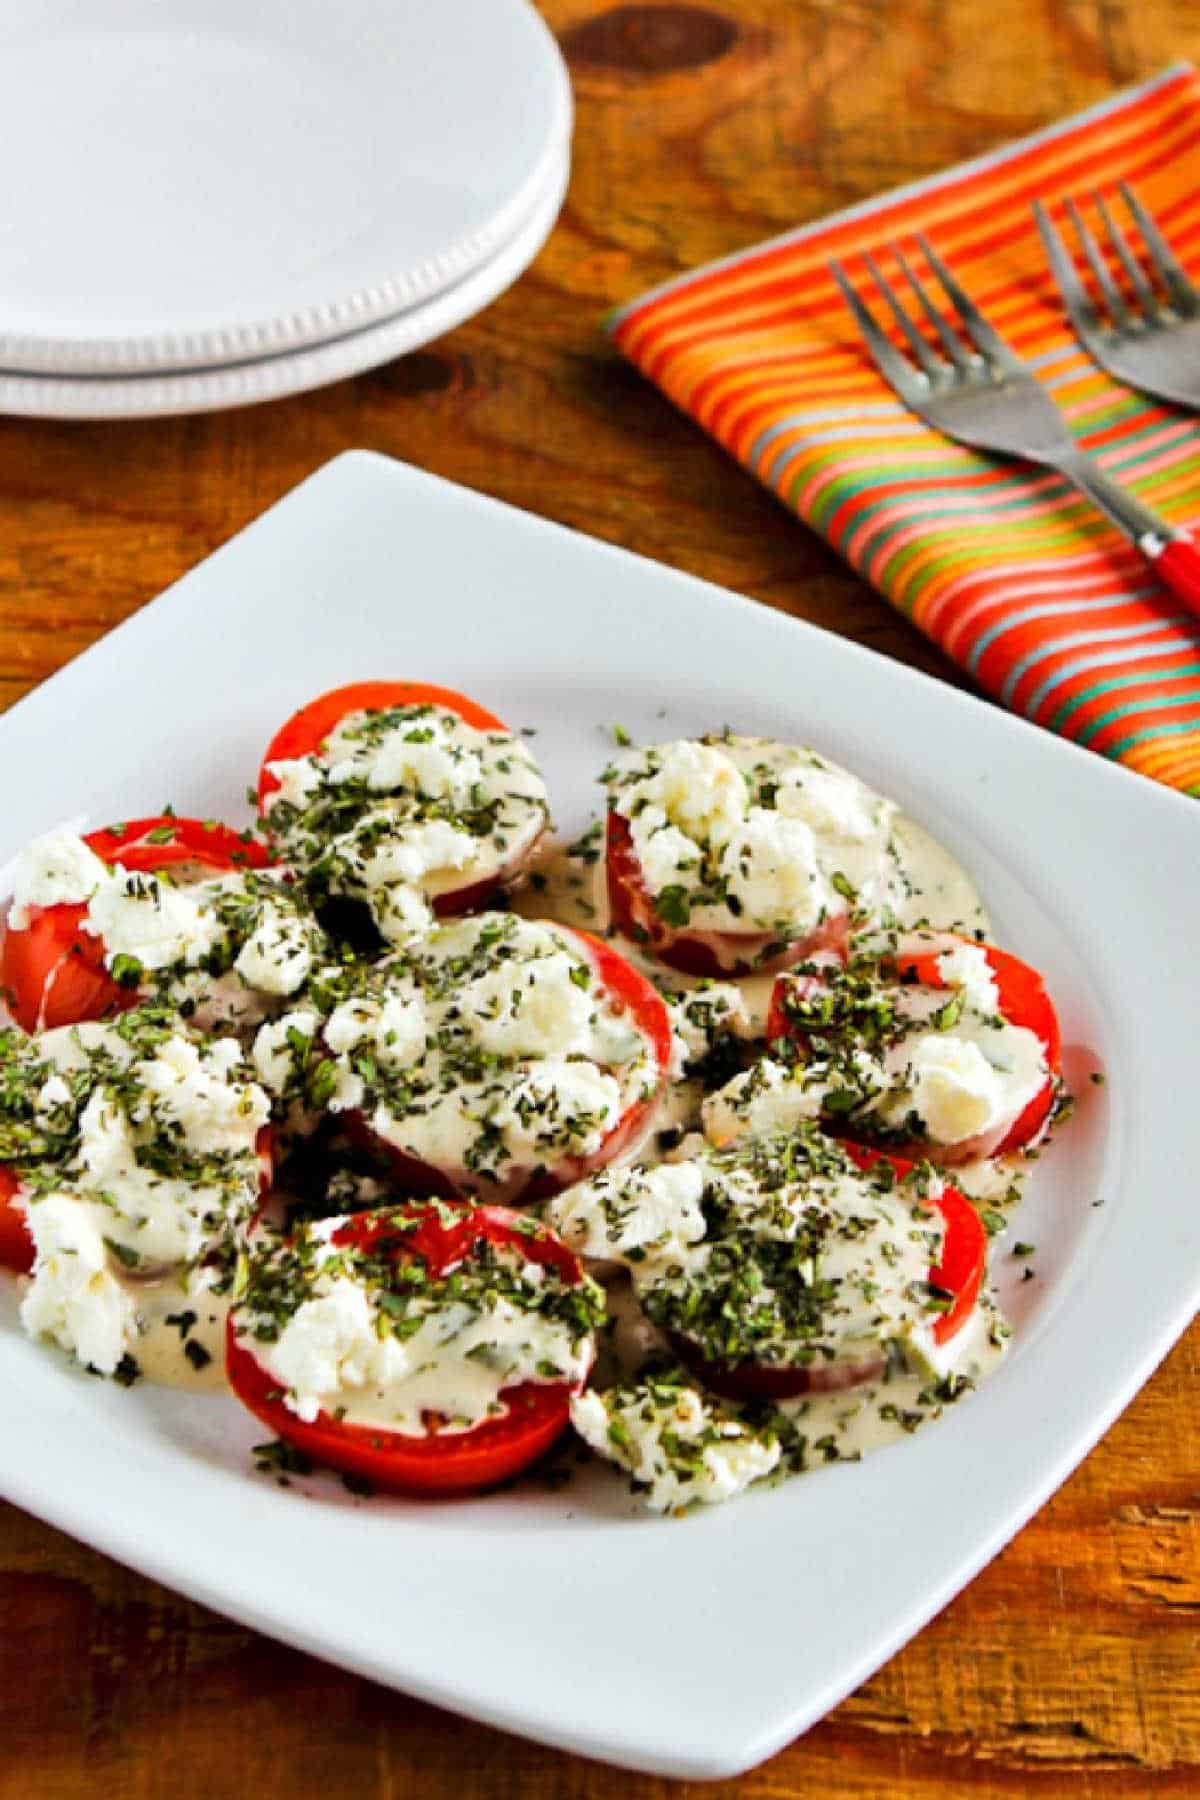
<point>202,181</point>
<point>692,1647</point>
<point>271,378</point>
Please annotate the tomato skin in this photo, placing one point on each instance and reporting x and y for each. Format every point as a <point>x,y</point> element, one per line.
<point>306,730</point>
<point>16,1241</point>
<point>634,994</point>
<point>964,1249</point>
<point>1023,1001</point>
<point>52,971</point>
<point>716,953</point>
<point>216,846</point>
<point>960,1272</point>
<point>447,1464</point>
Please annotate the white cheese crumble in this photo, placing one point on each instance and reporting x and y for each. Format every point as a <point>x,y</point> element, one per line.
<point>456,1364</point>
<point>57,869</point>
<point>275,1047</point>
<point>545,1005</point>
<point>767,1097</point>
<point>952,1088</point>
<point>277,957</point>
<point>677,1444</point>
<point>633,1216</point>
<point>967,967</point>
<point>701,1017</point>
<point>153,921</point>
<point>771,868</point>
<point>759,836</point>
<point>74,1297</point>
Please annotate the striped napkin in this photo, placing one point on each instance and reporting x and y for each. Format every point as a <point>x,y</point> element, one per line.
<point>1011,573</point>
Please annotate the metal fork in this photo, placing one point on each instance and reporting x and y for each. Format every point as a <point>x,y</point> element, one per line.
<point>980,394</point>
<point>1146,336</point>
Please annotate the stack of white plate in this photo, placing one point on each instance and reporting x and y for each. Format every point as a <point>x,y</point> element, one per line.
<point>217,202</point>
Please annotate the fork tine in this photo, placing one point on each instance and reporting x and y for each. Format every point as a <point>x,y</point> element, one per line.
<point>937,319</point>
<point>1114,299</point>
<point>1183,294</point>
<point>1075,297</point>
<point>916,342</point>
<point>896,370</point>
<point>1129,261</point>
<point>990,345</point>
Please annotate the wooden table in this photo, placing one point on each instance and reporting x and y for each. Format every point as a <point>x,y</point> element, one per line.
<point>1072,1665</point>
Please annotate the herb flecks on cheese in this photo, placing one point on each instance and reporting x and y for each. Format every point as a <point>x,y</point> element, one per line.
<point>137,1147</point>
<point>405,803</point>
<point>889,1058</point>
<point>366,1332</point>
<point>488,1049</point>
<point>744,834</point>
<point>679,1445</point>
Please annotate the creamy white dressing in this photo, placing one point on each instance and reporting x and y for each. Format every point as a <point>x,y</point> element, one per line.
<point>164,1331</point>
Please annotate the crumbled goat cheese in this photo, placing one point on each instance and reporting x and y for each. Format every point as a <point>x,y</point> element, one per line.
<point>55,870</point>
<point>631,1215</point>
<point>683,1448</point>
<point>73,1297</point>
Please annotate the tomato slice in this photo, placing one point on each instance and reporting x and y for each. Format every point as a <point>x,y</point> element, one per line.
<point>630,992</point>
<point>16,1243</point>
<point>959,1272</point>
<point>716,953</point>
<point>964,1248</point>
<point>441,1462</point>
<point>1023,1001</point>
<point>53,972</point>
<point>305,732</point>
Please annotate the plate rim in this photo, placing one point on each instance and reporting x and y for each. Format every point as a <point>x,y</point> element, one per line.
<point>299,371</point>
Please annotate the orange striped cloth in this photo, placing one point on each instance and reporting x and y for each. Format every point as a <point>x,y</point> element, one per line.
<point>1013,574</point>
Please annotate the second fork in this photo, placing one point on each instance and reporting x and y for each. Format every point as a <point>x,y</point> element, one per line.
<point>979,393</point>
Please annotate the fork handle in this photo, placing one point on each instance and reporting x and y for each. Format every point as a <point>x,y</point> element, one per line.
<point>1177,564</point>
<point>1170,552</point>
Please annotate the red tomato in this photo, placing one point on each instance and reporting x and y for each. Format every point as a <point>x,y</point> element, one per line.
<point>306,731</point>
<point>719,953</point>
<point>630,992</point>
<point>53,972</point>
<point>1023,1002</point>
<point>16,1244</point>
<point>964,1248</point>
<point>458,1462</point>
<point>959,1273</point>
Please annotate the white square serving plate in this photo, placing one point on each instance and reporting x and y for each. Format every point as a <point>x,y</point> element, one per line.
<point>691,1647</point>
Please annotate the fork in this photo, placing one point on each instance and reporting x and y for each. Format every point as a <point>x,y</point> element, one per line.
<point>1151,341</point>
<point>982,395</point>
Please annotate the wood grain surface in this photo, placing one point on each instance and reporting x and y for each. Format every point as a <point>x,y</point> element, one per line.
<point>1072,1665</point>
